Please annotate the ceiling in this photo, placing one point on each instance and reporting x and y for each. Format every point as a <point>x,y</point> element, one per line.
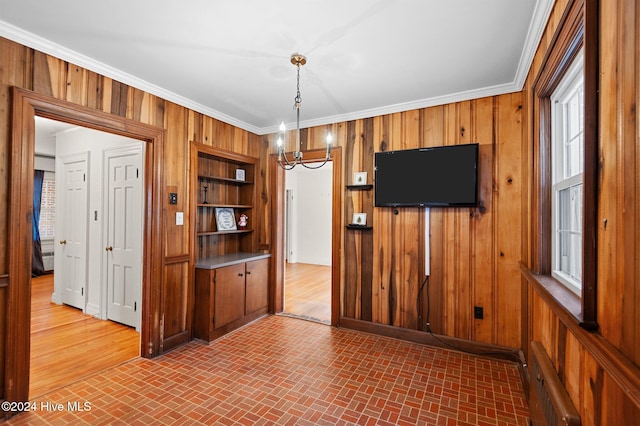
<point>231,59</point>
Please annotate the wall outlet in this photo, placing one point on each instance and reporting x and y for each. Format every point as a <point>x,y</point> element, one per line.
<point>478,312</point>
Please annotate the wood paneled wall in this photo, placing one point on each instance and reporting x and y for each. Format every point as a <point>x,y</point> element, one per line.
<point>475,252</point>
<point>32,70</point>
<point>600,369</point>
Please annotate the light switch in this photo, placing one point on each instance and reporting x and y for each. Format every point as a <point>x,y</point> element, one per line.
<point>179,218</point>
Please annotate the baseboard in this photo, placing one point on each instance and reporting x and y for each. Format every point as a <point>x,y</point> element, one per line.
<point>93,310</point>
<point>467,346</point>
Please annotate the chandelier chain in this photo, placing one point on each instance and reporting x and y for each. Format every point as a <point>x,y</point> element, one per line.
<point>298,99</point>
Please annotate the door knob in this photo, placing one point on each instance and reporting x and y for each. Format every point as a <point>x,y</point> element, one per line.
<point>109,248</point>
<point>63,242</point>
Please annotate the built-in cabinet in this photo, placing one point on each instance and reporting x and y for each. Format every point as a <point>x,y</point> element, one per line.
<point>230,292</point>
<point>231,277</point>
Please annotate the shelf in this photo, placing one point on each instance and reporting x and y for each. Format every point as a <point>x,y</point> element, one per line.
<point>226,180</point>
<point>359,187</point>
<point>235,206</point>
<point>238,231</point>
<point>354,226</point>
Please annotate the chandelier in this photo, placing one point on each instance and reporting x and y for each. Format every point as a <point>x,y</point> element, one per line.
<point>298,60</point>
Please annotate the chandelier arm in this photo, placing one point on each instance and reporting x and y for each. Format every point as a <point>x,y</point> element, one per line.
<point>286,160</point>
<point>306,165</point>
<point>282,166</point>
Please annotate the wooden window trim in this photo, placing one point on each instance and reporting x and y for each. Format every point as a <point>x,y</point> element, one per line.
<point>577,29</point>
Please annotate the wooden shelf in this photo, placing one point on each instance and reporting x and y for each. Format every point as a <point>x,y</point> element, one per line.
<point>354,226</point>
<point>237,231</point>
<point>226,180</point>
<point>359,187</point>
<point>235,206</point>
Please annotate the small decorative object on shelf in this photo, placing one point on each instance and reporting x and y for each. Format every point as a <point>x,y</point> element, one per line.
<point>240,174</point>
<point>225,219</point>
<point>242,221</point>
<point>205,194</point>
<point>360,178</point>
<point>359,219</point>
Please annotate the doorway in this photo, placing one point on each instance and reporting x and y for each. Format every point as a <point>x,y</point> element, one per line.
<point>308,227</point>
<point>26,106</point>
<point>67,334</point>
<point>278,177</point>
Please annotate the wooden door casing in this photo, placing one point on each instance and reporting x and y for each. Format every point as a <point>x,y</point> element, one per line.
<point>26,105</point>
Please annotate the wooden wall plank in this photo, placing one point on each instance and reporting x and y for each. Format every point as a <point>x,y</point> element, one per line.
<point>176,175</point>
<point>509,183</point>
<point>76,85</point>
<point>483,225</point>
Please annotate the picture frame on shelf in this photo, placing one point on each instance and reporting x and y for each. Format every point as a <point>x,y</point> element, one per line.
<point>225,219</point>
<point>360,178</point>
<point>359,219</point>
<point>240,174</point>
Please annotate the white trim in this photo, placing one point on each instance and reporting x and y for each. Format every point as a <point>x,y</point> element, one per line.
<point>45,46</point>
<point>536,29</point>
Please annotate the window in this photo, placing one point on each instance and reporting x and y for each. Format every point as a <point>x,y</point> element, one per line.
<point>48,207</point>
<point>563,265</point>
<point>567,168</point>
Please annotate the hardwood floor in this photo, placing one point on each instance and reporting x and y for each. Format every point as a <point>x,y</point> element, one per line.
<point>67,345</point>
<point>308,291</point>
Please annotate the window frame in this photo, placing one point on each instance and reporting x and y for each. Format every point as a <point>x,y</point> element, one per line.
<point>577,30</point>
<point>560,101</point>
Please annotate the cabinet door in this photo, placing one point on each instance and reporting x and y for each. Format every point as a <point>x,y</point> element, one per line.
<point>229,294</point>
<point>257,285</point>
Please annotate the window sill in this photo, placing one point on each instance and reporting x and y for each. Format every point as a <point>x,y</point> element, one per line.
<point>562,300</point>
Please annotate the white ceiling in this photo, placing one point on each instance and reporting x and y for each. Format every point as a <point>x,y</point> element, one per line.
<point>231,59</point>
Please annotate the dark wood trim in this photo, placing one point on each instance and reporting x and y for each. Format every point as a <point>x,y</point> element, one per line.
<point>26,105</point>
<point>590,175</point>
<point>578,28</point>
<point>278,206</point>
<point>276,279</point>
<point>176,340</point>
<point>622,371</point>
<point>435,340</point>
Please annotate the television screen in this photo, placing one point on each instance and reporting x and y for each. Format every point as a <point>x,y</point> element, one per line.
<point>444,176</point>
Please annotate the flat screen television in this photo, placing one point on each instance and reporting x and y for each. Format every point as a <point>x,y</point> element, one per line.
<point>444,176</point>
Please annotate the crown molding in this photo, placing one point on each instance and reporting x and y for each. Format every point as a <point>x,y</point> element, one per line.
<point>536,29</point>
<point>33,41</point>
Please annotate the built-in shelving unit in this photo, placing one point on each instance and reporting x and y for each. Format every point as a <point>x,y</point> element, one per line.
<point>218,187</point>
<point>231,277</point>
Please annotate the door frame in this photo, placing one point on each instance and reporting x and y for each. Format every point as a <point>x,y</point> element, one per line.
<point>26,105</point>
<point>276,296</point>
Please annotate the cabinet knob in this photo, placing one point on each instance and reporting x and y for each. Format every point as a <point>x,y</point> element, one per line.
<point>248,272</point>
<point>109,248</point>
<point>63,242</point>
<point>239,275</point>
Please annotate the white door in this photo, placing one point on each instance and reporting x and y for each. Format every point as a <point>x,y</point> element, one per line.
<point>72,235</point>
<point>123,249</point>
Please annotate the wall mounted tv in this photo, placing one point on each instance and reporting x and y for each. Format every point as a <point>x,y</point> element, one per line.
<point>444,176</point>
